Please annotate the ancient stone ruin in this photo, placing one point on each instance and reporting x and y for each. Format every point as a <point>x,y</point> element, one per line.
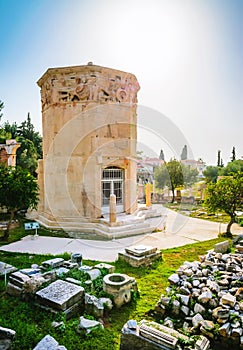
<point>89,145</point>
<point>70,296</point>
<point>140,255</point>
<point>206,297</point>
<point>149,335</point>
<point>6,337</point>
<point>120,286</point>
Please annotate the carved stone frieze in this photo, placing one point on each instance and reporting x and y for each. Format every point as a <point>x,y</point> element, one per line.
<point>87,84</point>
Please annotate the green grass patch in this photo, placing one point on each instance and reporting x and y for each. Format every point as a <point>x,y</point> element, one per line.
<point>32,324</point>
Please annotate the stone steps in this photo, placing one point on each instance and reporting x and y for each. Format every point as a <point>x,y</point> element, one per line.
<point>75,229</point>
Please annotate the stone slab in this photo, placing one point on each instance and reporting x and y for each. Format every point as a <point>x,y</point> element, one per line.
<point>49,343</point>
<point>6,268</point>
<point>140,250</point>
<point>52,263</point>
<point>108,267</point>
<point>221,247</point>
<point>136,261</point>
<point>60,295</point>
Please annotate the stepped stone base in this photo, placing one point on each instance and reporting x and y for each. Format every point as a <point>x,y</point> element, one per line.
<point>140,255</point>
<point>125,226</point>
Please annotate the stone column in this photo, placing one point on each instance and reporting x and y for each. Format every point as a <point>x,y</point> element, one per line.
<point>148,195</point>
<point>112,208</point>
<point>140,189</point>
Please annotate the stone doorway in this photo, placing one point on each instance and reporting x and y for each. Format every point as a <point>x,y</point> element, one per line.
<point>112,183</point>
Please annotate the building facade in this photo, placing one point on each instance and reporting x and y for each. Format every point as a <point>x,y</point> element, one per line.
<point>89,125</point>
<point>8,152</point>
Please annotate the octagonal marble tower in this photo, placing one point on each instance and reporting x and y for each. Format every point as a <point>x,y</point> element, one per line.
<point>89,144</point>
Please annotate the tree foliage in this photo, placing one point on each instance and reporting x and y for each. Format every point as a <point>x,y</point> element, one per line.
<point>174,174</point>
<point>170,175</point>
<point>211,173</point>
<point>190,175</point>
<point>161,155</point>
<point>4,135</point>
<point>11,129</point>
<point>232,168</point>
<point>1,107</point>
<point>184,153</point>
<point>233,158</point>
<point>226,195</point>
<point>18,190</point>
<point>27,157</point>
<point>31,143</point>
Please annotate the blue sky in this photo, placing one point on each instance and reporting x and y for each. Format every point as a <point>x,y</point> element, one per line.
<point>186,54</point>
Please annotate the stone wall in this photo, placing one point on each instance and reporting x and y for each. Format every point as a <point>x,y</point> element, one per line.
<point>89,124</point>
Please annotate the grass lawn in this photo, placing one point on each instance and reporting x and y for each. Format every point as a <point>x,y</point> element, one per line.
<point>32,324</point>
<point>198,211</point>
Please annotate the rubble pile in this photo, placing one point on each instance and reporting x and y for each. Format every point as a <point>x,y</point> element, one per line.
<point>206,297</point>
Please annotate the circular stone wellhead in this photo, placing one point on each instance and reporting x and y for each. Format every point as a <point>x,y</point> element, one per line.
<point>119,286</point>
<point>116,279</point>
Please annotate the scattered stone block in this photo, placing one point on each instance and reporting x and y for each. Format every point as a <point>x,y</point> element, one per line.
<point>31,272</point>
<point>33,284</point>
<point>88,326</point>
<point>49,343</point>
<point>70,265</point>
<point>85,268</point>
<point>202,343</point>
<point>222,247</point>
<point>228,299</point>
<point>225,330</point>
<point>236,332</point>
<point>73,280</point>
<point>175,309</point>
<point>93,306</point>
<point>185,310</point>
<point>196,320</point>
<point>148,336</point>
<point>6,337</point>
<point>205,296</point>
<point>109,268</point>
<point>61,296</point>
<point>13,290</point>
<point>93,274</point>
<point>120,286</point>
<point>6,268</point>
<point>62,271</point>
<point>174,278</point>
<point>140,255</point>
<point>77,258</point>
<point>198,308</point>
<point>7,333</point>
<point>52,263</point>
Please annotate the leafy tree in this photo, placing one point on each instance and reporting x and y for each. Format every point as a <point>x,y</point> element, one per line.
<point>219,158</point>
<point>232,168</point>
<point>27,157</point>
<point>161,155</point>
<point>27,131</point>
<point>184,153</point>
<point>211,173</point>
<point>169,174</point>
<point>189,175</point>
<point>226,195</point>
<point>11,129</point>
<point>1,107</point>
<point>18,190</point>
<point>4,135</point>
<point>233,155</point>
